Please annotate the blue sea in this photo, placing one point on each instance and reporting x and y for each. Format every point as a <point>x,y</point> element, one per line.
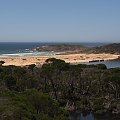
<point>24,48</point>
<point>21,49</point>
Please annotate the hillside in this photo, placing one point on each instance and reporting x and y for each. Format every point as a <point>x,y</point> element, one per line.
<point>110,48</point>
<point>61,48</point>
<point>74,48</point>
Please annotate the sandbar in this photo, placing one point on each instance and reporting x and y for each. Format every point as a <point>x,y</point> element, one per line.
<point>69,58</point>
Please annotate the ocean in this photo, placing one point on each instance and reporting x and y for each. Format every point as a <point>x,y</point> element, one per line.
<point>23,48</point>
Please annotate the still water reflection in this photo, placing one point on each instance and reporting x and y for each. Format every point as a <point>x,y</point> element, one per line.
<point>90,116</point>
<point>109,64</point>
<point>81,116</point>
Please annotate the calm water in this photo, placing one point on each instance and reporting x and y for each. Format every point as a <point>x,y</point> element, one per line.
<point>81,116</point>
<point>90,116</point>
<point>109,64</point>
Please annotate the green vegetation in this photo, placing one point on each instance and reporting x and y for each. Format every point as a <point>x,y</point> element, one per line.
<point>1,63</point>
<point>110,48</point>
<point>75,48</point>
<point>49,92</point>
<point>30,104</point>
<point>61,48</point>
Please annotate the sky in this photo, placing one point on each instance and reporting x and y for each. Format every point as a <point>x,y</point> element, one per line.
<point>59,20</point>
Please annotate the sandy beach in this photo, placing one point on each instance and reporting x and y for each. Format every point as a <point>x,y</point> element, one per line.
<point>70,58</point>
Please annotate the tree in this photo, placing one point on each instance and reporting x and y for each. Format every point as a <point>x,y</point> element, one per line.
<point>101,66</point>
<point>10,81</point>
<point>1,63</point>
<point>54,60</point>
<point>31,67</point>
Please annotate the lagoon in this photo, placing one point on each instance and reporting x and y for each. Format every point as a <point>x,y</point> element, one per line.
<point>109,64</point>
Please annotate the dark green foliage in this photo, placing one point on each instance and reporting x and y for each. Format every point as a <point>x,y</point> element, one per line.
<point>110,48</point>
<point>101,66</point>
<point>10,81</point>
<point>54,63</point>
<point>31,67</point>
<point>1,63</point>
<point>39,94</point>
<point>115,78</point>
<point>54,60</point>
<point>29,105</point>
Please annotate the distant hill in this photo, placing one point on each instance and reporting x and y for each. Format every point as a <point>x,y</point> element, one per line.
<point>74,48</point>
<point>61,48</point>
<point>110,48</point>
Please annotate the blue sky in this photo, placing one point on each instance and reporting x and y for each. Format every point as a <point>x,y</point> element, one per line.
<point>60,20</point>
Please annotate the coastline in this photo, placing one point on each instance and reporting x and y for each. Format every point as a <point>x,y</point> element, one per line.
<point>69,58</point>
